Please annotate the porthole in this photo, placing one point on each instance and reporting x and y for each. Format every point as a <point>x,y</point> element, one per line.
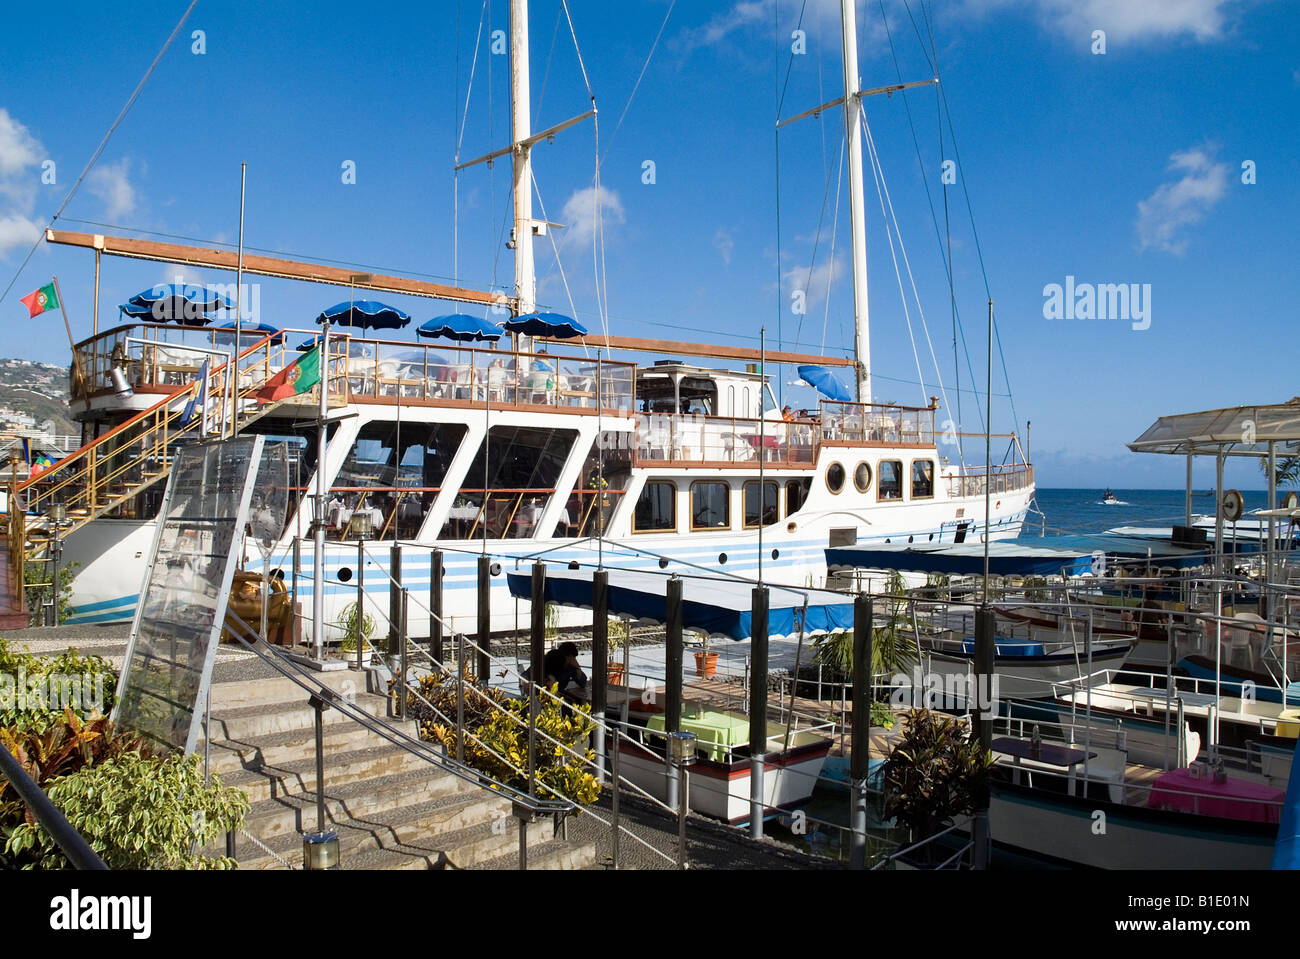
<point>835,477</point>
<point>909,539</point>
<point>776,553</point>
<point>862,477</point>
<point>722,559</point>
<point>791,527</point>
<point>344,575</point>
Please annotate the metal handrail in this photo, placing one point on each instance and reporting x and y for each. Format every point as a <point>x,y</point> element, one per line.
<point>72,843</point>
<point>415,747</point>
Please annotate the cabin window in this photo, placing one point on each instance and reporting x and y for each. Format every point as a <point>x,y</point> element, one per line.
<point>835,477</point>
<point>769,508</point>
<point>862,477</point>
<point>656,509</point>
<point>890,483</point>
<point>922,479</point>
<point>796,494</point>
<point>392,472</point>
<point>710,506</point>
<point>521,468</point>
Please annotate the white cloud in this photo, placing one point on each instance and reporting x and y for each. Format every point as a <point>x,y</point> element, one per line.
<point>821,18</point>
<point>16,233</point>
<point>814,284</point>
<point>1124,19</point>
<point>18,148</point>
<point>20,176</point>
<point>1166,213</point>
<point>580,215</point>
<point>110,182</point>
<point>725,243</point>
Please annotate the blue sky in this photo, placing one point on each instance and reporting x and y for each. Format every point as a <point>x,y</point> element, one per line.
<point>1115,168</point>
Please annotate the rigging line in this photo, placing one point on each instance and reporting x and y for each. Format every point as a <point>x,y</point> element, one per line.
<point>455,173</point>
<point>636,86</point>
<point>602,275</point>
<point>835,228</point>
<point>952,135</point>
<point>925,326</point>
<point>469,87</point>
<point>554,247</point>
<point>99,150</point>
<point>944,255</point>
<point>789,67</point>
<point>877,175</point>
<point>541,96</point>
<point>577,49</point>
<point>812,263</point>
<point>776,162</point>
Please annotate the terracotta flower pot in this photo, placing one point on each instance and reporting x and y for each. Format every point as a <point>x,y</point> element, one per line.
<point>706,664</point>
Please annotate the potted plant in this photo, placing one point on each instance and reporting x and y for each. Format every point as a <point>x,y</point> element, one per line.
<point>706,663</point>
<point>357,626</point>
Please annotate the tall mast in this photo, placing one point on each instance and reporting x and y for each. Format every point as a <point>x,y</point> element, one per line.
<point>525,275</point>
<point>853,131</point>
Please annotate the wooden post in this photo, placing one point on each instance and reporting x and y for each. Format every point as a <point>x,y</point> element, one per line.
<point>599,668</point>
<point>673,663</point>
<point>395,599</point>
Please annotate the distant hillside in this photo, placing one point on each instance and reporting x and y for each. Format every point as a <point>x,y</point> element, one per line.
<point>38,389</point>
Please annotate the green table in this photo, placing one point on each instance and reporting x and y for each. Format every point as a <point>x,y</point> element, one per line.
<point>716,731</point>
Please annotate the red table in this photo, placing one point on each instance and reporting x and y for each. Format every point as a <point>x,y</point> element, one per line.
<point>1234,799</point>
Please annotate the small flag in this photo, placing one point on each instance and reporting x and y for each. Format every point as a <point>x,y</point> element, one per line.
<point>41,300</point>
<point>27,451</point>
<point>293,380</point>
<point>199,401</point>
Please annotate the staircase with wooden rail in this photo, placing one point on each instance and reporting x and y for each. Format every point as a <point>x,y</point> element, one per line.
<point>109,472</point>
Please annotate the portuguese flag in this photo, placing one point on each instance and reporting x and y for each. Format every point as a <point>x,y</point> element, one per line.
<point>292,380</point>
<point>41,300</point>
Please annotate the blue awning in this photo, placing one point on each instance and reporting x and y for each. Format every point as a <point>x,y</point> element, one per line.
<point>710,604</point>
<point>1039,556</point>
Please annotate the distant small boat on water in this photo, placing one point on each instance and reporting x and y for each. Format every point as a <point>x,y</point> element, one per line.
<point>1109,498</point>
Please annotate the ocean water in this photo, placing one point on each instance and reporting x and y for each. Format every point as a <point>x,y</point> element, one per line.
<point>1082,511</point>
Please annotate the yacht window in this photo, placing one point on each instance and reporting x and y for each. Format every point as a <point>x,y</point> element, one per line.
<point>710,506</point>
<point>890,484</point>
<point>796,493</point>
<point>770,508</point>
<point>656,509</point>
<point>862,477</point>
<point>835,477</point>
<point>922,479</point>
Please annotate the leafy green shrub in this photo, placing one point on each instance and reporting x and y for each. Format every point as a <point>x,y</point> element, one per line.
<point>137,812</point>
<point>498,727</point>
<point>934,773</point>
<point>35,690</point>
<point>357,625</point>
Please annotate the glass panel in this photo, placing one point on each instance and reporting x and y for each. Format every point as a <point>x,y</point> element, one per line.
<point>393,472</point>
<point>922,478</point>
<point>523,466</point>
<point>710,506</point>
<point>890,480</point>
<point>657,508</point>
<point>770,508</point>
<point>796,491</point>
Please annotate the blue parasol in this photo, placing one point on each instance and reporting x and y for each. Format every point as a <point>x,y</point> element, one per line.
<point>461,327</point>
<point>545,324</point>
<point>254,331</point>
<point>182,302</point>
<point>826,383</point>
<point>367,314</point>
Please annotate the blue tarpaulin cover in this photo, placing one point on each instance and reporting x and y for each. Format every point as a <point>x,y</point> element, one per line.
<point>710,604</point>
<point>1040,556</point>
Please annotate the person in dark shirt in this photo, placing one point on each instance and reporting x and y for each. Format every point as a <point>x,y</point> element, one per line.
<point>560,668</point>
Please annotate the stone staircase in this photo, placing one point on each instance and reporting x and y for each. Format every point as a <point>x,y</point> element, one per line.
<point>391,809</point>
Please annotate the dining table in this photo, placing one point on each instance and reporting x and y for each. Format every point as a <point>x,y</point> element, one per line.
<point>1233,798</point>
